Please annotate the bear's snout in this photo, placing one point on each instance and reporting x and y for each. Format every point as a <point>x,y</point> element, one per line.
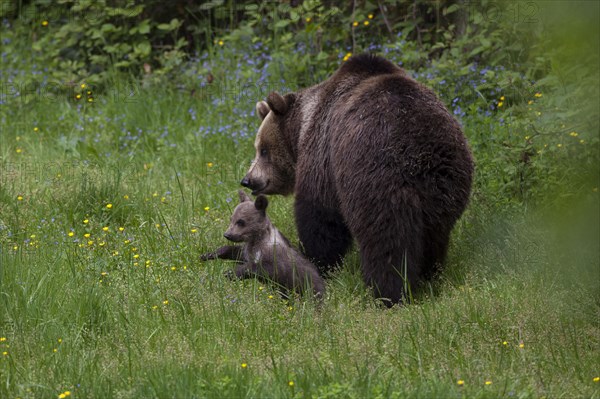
<point>245,182</point>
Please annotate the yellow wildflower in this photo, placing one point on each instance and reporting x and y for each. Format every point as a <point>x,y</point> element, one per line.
<point>206,208</point>
<point>460,382</point>
<point>538,95</point>
<point>44,23</point>
<point>366,23</point>
<point>488,382</point>
<point>291,383</point>
<point>573,134</point>
<point>36,129</point>
<point>105,228</point>
<point>70,234</point>
<point>500,104</point>
<point>19,198</point>
<point>308,19</point>
<point>244,365</point>
<point>370,16</point>
<point>108,206</point>
<point>355,23</point>
<point>221,42</point>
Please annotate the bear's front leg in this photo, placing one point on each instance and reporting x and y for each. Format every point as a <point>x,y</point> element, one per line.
<point>233,252</point>
<point>324,236</point>
<point>246,270</point>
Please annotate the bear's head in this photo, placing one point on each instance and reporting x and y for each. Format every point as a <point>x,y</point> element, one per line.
<point>274,166</point>
<point>249,221</point>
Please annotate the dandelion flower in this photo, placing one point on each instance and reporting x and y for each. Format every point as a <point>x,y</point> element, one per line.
<point>86,221</point>
<point>488,382</point>
<point>521,345</point>
<point>559,145</point>
<point>36,129</point>
<point>206,208</point>
<point>18,150</point>
<point>573,134</point>
<point>502,98</point>
<point>126,196</point>
<point>370,16</point>
<point>108,206</point>
<point>19,198</point>
<point>366,23</point>
<point>538,95</point>
<point>121,228</point>
<point>291,383</point>
<point>83,86</point>
<point>529,102</point>
<point>2,339</point>
<point>5,353</point>
<point>105,228</point>
<point>596,379</point>
<point>270,296</point>
<point>70,234</point>
<point>78,97</point>
<point>355,23</point>
<point>500,104</point>
<point>221,43</point>
<point>460,383</point>
<point>209,164</point>
<point>308,19</point>
<point>166,302</point>
<point>244,365</point>
<point>194,230</point>
<point>87,235</point>
<point>44,23</point>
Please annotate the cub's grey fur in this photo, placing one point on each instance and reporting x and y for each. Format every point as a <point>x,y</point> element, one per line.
<point>266,253</point>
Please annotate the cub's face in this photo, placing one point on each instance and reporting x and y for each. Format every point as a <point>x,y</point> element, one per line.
<point>273,168</point>
<point>249,219</point>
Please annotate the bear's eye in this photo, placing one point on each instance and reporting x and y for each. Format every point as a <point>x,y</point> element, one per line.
<point>263,152</point>
<point>240,222</point>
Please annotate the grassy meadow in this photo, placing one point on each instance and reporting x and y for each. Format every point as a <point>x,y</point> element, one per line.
<point>108,195</point>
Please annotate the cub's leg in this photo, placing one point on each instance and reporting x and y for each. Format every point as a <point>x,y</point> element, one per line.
<point>233,252</point>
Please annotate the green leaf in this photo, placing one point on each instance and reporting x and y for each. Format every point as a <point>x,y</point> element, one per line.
<point>282,24</point>
<point>451,9</point>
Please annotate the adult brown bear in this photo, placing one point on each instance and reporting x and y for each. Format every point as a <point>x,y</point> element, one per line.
<point>371,154</point>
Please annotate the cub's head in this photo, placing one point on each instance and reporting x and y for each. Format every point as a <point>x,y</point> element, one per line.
<point>274,166</point>
<point>249,220</point>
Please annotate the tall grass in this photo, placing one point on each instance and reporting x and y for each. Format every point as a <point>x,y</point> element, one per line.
<point>105,208</point>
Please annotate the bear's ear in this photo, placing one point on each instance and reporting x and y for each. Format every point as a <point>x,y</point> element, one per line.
<point>261,203</point>
<point>262,109</point>
<point>277,103</point>
<point>243,196</point>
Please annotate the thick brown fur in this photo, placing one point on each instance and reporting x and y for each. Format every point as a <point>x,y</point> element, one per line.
<point>266,253</point>
<point>374,156</point>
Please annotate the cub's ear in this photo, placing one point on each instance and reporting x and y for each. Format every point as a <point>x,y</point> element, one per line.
<point>262,109</point>
<point>261,203</point>
<point>243,196</point>
<point>277,103</point>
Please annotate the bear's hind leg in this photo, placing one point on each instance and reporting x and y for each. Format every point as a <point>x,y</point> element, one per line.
<point>323,234</point>
<point>391,247</point>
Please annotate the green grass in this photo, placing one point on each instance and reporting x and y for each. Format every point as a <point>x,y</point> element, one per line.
<point>132,313</point>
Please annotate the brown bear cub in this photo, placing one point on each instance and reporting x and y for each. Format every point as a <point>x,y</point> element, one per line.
<point>266,253</point>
